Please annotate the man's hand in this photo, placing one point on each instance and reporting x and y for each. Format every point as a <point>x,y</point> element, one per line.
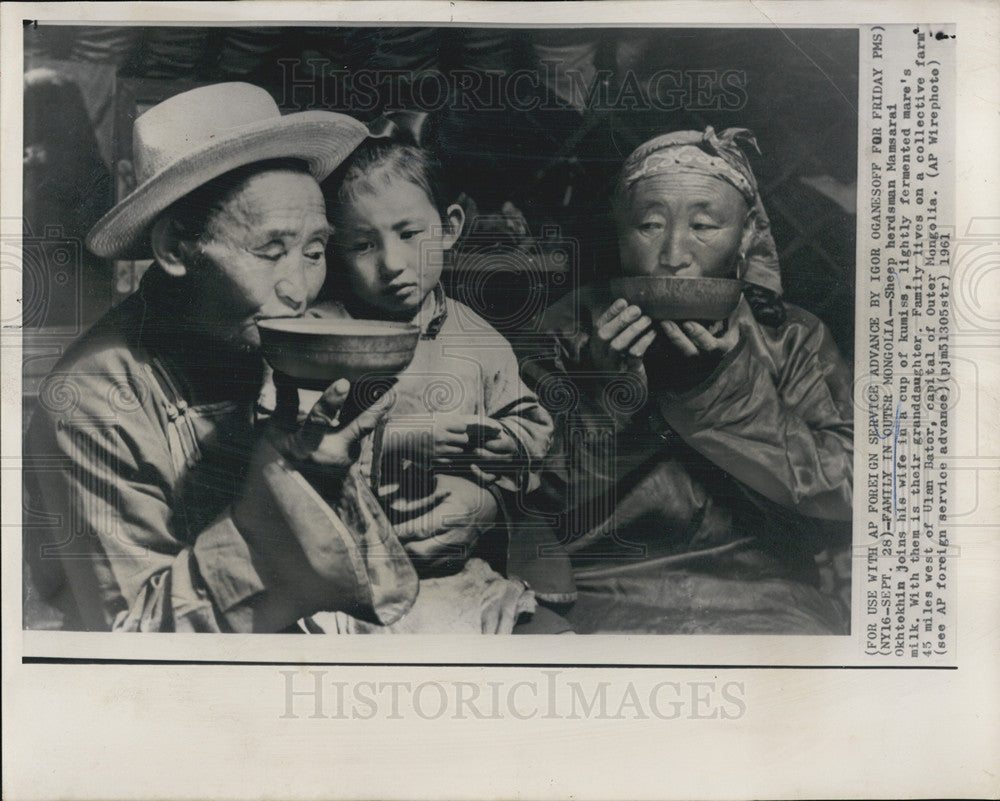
<point>321,440</point>
<point>306,557</point>
<point>692,339</point>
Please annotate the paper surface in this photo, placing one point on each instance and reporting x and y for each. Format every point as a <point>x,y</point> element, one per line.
<point>906,705</point>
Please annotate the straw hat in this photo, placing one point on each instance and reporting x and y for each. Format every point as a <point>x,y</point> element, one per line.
<point>196,136</point>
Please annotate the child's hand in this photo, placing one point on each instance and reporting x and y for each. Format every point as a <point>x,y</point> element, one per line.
<point>458,435</point>
<point>469,441</point>
<point>451,437</point>
<point>501,449</point>
<point>438,443</point>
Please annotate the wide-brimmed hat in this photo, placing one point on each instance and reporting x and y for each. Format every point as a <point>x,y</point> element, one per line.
<point>196,136</point>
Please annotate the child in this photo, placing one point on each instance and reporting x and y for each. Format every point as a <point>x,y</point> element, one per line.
<point>463,426</point>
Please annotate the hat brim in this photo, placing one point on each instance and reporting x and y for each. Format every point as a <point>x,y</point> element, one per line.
<point>321,139</point>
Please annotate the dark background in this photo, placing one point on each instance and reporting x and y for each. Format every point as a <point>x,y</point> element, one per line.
<point>554,163</point>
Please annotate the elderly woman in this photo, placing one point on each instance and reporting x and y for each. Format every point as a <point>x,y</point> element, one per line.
<point>699,465</point>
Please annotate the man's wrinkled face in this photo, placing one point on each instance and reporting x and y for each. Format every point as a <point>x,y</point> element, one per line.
<point>261,255</point>
<point>684,224</point>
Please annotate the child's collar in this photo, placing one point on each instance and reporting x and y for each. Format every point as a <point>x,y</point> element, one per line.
<point>433,313</point>
<point>430,318</point>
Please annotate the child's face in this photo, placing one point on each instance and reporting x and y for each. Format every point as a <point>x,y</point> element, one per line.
<point>391,240</point>
<point>683,224</point>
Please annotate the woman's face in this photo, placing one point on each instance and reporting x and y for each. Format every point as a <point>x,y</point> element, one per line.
<point>684,224</point>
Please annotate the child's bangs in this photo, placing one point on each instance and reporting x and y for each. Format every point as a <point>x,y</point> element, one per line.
<point>377,164</point>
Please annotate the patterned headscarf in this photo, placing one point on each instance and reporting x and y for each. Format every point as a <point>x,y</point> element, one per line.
<point>719,156</point>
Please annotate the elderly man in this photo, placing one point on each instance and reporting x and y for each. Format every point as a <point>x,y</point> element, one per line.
<point>178,509</point>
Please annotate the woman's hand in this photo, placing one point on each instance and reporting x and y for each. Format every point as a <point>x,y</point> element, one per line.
<point>622,334</point>
<point>621,338</point>
<point>692,351</point>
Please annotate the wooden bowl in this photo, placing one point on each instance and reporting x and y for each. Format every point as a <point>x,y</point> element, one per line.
<point>665,297</point>
<point>316,351</point>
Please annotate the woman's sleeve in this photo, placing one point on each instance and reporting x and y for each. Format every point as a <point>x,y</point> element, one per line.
<point>785,431</point>
<point>588,409</point>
